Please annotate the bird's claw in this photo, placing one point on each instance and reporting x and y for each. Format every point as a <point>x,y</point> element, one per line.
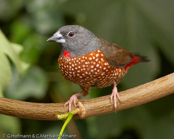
<point>73,100</point>
<point>115,95</point>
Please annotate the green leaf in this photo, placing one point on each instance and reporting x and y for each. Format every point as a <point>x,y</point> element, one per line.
<point>11,51</point>
<point>5,71</point>
<point>32,84</point>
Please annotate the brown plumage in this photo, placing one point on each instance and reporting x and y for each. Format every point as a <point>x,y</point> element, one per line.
<point>90,61</point>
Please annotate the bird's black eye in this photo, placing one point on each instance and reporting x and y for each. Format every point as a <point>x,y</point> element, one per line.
<point>71,34</point>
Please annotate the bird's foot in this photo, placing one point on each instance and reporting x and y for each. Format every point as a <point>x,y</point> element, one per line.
<point>115,95</point>
<point>73,99</point>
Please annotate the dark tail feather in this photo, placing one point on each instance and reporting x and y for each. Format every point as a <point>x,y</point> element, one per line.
<point>137,59</point>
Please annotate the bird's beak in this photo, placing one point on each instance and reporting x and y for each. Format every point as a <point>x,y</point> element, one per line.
<point>57,37</point>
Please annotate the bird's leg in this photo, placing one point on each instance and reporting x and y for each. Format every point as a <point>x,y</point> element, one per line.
<point>114,95</point>
<point>73,99</point>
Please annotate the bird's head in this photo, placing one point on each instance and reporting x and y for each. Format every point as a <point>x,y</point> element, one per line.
<point>76,39</point>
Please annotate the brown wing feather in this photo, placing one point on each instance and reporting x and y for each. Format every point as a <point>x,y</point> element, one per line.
<point>115,55</point>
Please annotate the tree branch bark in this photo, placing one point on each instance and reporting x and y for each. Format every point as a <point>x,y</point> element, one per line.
<point>96,106</point>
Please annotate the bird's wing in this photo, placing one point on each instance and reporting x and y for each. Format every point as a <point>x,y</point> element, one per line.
<point>115,55</point>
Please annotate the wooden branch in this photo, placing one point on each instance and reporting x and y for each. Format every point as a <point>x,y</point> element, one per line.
<point>96,106</point>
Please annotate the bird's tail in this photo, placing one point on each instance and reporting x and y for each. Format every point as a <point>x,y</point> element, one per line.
<point>137,59</point>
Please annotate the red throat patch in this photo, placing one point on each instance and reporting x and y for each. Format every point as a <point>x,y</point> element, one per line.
<point>66,54</point>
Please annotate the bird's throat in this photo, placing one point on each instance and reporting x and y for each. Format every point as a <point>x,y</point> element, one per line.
<point>66,54</point>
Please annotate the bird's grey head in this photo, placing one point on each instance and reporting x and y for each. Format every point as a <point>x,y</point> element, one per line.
<point>76,39</point>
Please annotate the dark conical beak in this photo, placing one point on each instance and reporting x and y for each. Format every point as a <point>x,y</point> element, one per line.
<point>57,37</point>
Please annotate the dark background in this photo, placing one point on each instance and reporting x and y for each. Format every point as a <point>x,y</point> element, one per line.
<point>139,26</point>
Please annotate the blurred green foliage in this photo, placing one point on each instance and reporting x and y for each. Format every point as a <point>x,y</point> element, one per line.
<point>136,25</point>
<point>11,51</point>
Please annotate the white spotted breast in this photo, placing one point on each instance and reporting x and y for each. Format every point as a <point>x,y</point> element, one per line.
<point>90,70</point>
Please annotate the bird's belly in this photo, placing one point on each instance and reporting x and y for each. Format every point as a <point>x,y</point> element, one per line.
<point>90,70</point>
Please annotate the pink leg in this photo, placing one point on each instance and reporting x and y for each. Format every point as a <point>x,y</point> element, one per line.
<point>73,99</point>
<point>114,95</point>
